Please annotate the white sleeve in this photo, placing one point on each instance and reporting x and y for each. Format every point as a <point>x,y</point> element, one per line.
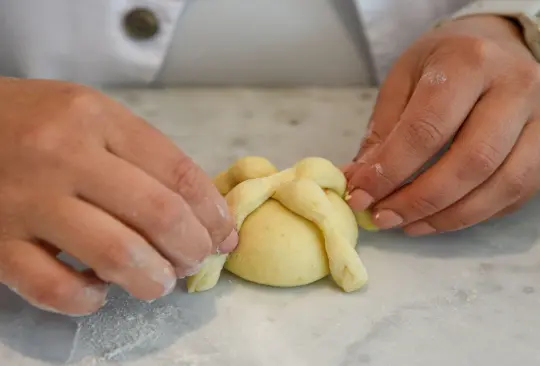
<point>526,13</point>
<point>85,41</point>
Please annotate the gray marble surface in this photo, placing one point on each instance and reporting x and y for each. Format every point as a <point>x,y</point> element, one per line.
<point>467,298</point>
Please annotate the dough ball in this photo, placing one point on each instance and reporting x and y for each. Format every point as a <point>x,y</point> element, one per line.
<point>279,248</point>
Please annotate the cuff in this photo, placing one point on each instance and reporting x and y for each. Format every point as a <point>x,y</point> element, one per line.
<point>525,13</point>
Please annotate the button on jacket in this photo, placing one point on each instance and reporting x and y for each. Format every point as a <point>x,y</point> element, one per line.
<point>200,42</point>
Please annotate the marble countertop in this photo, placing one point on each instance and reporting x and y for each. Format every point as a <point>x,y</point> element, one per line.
<point>467,298</point>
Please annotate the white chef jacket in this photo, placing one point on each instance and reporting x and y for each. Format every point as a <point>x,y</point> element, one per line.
<point>263,42</point>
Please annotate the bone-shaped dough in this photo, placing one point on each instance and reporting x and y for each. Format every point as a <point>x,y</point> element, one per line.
<point>246,168</point>
<point>246,188</point>
<point>307,199</point>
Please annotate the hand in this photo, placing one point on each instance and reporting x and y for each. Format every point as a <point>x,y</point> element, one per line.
<point>81,174</point>
<point>472,80</point>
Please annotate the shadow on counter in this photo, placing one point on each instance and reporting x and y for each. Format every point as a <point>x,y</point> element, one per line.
<point>512,234</point>
<point>125,329</point>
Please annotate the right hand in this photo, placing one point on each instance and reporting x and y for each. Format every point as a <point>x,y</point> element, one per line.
<point>80,174</point>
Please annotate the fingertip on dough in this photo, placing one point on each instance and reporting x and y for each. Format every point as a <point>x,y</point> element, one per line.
<point>363,218</point>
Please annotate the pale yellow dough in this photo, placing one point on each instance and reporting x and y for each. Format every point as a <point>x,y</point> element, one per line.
<point>282,249</point>
<point>294,226</point>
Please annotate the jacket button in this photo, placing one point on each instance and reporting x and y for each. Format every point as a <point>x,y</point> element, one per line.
<point>141,23</point>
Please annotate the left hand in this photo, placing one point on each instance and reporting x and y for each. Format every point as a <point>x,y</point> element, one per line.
<point>473,80</point>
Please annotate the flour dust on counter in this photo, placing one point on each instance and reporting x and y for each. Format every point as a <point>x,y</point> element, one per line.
<point>467,298</point>
<point>127,330</point>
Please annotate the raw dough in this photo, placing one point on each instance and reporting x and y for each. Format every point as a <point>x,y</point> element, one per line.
<point>280,248</point>
<point>294,226</point>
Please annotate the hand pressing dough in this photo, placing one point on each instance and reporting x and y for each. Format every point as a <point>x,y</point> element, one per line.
<point>294,226</point>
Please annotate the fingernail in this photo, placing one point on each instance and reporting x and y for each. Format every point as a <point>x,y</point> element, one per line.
<point>194,269</point>
<point>168,280</point>
<point>419,229</point>
<point>188,269</point>
<point>97,291</point>
<point>223,209</point>
<point>229,243</point>
<point>360,200</point>
<point>96,295</point>
<point>387,219</point>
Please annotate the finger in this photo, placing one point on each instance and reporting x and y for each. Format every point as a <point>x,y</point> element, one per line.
<point>51,249</point>
<point>137,142</point>
<point>116,253</point>
<point>346,167</point>
<point>517,178</point>
<point>438,106</point>
<point>481,146</point>
<point>391,101</point>
<point>515,206</point>
<point>162,216</point>
<point>46,282</point>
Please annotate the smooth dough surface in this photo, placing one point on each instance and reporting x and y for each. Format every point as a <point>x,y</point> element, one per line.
<point>279,248</point>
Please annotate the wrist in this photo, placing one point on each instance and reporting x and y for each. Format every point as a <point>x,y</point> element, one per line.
<point>497,28</point>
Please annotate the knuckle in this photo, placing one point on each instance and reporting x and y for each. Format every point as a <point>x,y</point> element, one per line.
<point>370,141</point>
<point>385,175</point>
<point>480,162</point>
<point>472,51</point>
<point>115,256</point>
<point>83,99</point>
<point>46,138</point>
<point>479,50</point>
<point>187,178</point>
<point>424,206</point>
<point>423,133</point>
<point>74,107</point>
<point>448,224</point>
<point>166,215</point>
<point>377,179</point>
<point>515,185</point>
<point>173,227</point>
